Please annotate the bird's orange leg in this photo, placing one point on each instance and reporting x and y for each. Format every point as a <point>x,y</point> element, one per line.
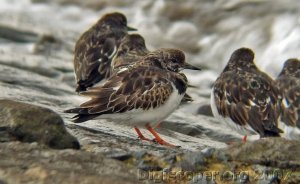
<point>140,135</point>
<point>158,125</point>
<point>245,139</point>
<point>158,139</point>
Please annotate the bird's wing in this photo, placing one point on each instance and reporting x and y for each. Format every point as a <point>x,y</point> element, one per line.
<point>291,101</point>
<point>138,88</point>
<point>125,57</point>
<point>92,60</point>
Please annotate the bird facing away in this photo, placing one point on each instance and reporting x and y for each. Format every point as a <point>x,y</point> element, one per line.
<point>132,48</point>
<point>289,82</point>
<point>245,98</point>
<point>142,95</point>
<point>95,49</point>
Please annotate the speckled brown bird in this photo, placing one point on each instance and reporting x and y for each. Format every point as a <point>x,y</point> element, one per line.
<point>245,98</point>
<point>289,82</point>
<point>95,49</point>
<point>142,95</point>
<point>131,50</point>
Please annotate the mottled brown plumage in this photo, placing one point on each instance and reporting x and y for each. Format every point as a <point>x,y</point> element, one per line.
<point>246,98</point>
<point>131,50</point>
<point>289,82</point>
<point>140,87</point>
<point>95,49</point>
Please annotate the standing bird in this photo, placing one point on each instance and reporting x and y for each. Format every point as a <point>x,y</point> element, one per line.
<point>95,49</point>
<point>289,82</point>
<point>132,48</point>
<point>142,95</point>
<point>247,99</point>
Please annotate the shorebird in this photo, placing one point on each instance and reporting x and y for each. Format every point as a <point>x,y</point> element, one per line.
<point>245,98</point>
<point>142,95</point>
<point>95,49</point>
<point>131,50</point>
<point>289,82</point>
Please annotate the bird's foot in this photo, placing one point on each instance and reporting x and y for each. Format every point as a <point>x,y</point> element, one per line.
<point>141,136</point>
<point>158,139</point>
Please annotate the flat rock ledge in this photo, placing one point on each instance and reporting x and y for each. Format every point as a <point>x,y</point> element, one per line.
<point>33,163</point>
<point>34,146</point>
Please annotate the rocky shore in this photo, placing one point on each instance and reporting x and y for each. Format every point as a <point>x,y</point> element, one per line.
<point>40,144</point>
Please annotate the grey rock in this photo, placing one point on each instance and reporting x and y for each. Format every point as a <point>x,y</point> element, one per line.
<point>38,69</point>
<point>32,163</point>
<point>148,166</point>
<point>17,35</point>
<point>121,156</point>
<point>208,152</point>
<point>182,127</point>
<point>93,4</point>
<point>274,152</point>
<point>192,161</point>
<point>171,159</point>
<point>200,179</point>
<point>205,110</point>
<point>223,156</point>
<point>30,123</point>
<point>139,154</point>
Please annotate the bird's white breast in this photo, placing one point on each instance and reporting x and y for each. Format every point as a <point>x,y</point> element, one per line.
<point>139,117</point>
<point>291,133</point>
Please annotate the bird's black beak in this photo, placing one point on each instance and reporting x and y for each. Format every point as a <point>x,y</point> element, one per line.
<point>131,29</point>
<point>191,67</point>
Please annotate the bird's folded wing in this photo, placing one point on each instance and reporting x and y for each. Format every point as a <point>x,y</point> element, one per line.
<point>94,61</point>
<point>138,88</point>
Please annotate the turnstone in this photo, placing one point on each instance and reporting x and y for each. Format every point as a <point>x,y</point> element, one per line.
<point>131,50</point>
<point>289,82</point>
<point>95,49</point>
<point>142,95</point>
<point>247,99</point>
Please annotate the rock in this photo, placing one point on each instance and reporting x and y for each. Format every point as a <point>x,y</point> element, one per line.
<point>14,34</point>
<point>30,123</point>
<point>205,110</point>
<point>121,156</point>
<point>274,152</point>
<point>32,163</point>
<point>36,67</point>
<point>191,161</point>
<point>93,4</point>
<point>146,165</point>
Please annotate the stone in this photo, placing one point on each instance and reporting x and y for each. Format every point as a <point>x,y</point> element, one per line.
<point>205,110</point>
<point>192,161</point>
<point>274,152</point>
<point>31,123</point>
<point>33,163</point>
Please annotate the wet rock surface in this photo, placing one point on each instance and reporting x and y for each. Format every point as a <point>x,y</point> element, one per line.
<point>36,72</point>
<point>30,123</point>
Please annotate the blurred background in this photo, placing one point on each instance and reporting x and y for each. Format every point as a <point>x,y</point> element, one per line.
<point>207,30</point>
<point>37,39</point>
